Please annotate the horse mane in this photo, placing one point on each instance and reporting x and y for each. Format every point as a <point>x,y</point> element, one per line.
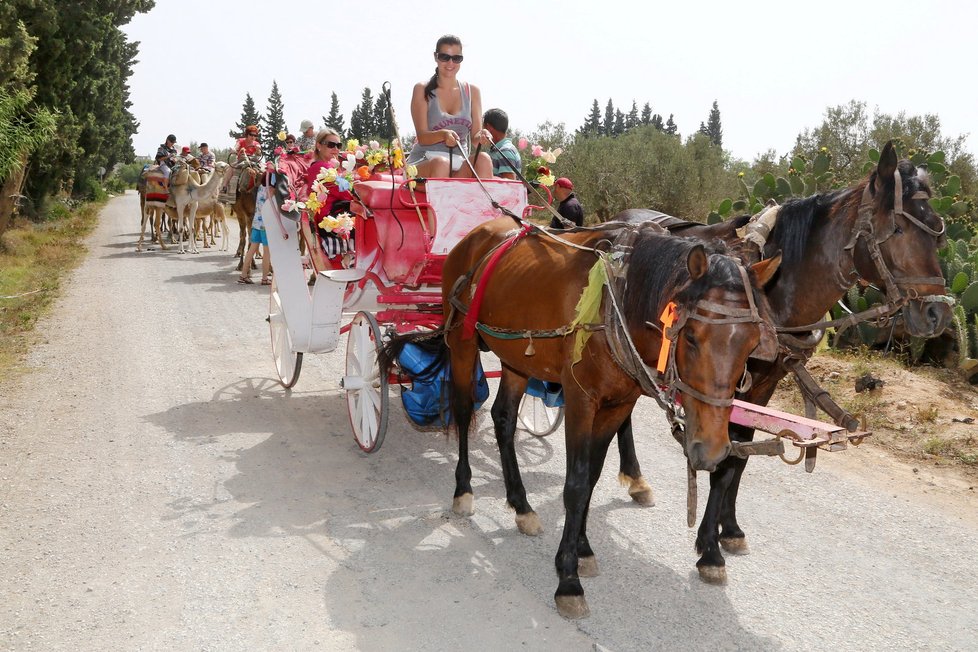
<point>657,269</point>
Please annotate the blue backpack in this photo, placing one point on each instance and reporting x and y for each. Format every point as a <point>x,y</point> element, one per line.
<point>428,399</point>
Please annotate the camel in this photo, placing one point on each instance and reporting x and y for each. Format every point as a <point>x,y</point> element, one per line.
<point>152,188</point>
<point>185,196</point>
<point>211,217</point>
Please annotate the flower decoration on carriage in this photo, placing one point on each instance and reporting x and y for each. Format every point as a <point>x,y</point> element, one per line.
<point>341,225</point>
<point>539,167</point>
<point>281,136</point>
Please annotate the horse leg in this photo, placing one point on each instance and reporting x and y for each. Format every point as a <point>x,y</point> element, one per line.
<point>463,357</point>
<point>587,563</point>
<point>711,565</point>
<point>504,411</point>
<point>586,450</point>
<point>630,474</point>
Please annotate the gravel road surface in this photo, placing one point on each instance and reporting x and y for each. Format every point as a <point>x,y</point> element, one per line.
<point>160,491</point>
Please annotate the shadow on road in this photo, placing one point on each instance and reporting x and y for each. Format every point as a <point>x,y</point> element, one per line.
<point>404,563</point>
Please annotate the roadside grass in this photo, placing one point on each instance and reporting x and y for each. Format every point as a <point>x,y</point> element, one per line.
<point>34,256</point>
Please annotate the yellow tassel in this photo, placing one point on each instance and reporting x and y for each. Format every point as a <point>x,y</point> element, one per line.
<point>529,347</point>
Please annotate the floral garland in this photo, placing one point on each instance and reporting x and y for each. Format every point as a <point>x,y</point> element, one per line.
<point>538,168</point>
<point>341,225</point>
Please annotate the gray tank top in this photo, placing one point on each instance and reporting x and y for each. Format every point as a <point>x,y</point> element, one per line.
<point>460,123</point>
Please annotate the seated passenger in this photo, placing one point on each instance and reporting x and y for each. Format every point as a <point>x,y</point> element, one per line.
<point>505,157</point>
<point>447,113</point>
<point>337,200</point>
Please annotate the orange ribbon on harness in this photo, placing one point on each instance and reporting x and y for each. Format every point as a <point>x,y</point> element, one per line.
<point>668,318</point>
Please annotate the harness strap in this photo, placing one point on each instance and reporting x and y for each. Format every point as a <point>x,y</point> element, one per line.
<point>472,316</point>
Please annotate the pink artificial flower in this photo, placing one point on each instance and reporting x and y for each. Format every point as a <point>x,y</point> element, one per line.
<point>537,150</point>
<point>278,151</point>
<point>331,163</point>
<point>521,143</point>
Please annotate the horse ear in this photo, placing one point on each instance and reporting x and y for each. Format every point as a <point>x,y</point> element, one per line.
<point>887,165</point>
<point>764,270</point>
<point>697,263</point>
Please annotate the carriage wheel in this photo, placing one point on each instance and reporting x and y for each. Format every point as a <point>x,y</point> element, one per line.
<point>366,387</point>
<point>538,419</point>
<point>288,363</point>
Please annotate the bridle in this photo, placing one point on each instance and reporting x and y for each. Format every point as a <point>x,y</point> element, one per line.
<point>864,229</point>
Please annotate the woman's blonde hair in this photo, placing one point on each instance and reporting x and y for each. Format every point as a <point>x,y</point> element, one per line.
<point>326,132</point>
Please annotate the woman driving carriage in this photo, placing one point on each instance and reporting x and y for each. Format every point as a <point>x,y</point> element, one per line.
<point>447,113</point>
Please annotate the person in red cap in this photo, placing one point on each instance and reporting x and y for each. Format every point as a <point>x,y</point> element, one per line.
<point>569,208</point>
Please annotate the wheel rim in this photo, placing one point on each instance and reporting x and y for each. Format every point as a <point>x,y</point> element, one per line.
<point>288,362</point>
<point>538,419</point>
<point>366,387</point>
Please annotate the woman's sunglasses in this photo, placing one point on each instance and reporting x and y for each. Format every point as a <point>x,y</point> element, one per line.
<point>444,57</point>
<point>328,143</point>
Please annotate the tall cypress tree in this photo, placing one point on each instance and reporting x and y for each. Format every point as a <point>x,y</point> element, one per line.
<point>383,127</point>
<point>274,121</point>
<point>618,128</point>
<point>631,120</point>
<point>362,119</point>
<point>249,116</point>
<point>335,119</point>
<point>592,124</point>
<point>646,114</point>
<point>80,68</point>
<point>671,127</point>
<point>608,128</point>
<point>656,121</point>
<point>713,128</point>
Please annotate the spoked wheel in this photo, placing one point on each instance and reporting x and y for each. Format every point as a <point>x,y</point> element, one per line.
<point>538,419</point>
<point>288,363</point>
<point>366,387</point>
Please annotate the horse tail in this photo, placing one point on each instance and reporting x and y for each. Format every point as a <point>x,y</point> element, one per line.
<point>432,343</point>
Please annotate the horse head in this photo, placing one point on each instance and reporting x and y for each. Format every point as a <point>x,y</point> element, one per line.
<point>895,243</point>
<point>719,318</point>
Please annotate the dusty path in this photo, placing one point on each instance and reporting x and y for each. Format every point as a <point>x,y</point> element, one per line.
<point>158,491</point>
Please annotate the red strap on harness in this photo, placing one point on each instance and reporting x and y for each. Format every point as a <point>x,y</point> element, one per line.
<point>472,316</point>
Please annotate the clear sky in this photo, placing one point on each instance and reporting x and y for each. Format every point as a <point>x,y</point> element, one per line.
<point>772,66</point>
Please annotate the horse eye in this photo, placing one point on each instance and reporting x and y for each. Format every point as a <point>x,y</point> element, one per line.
<point>690,338</point>
<point>898,230</point>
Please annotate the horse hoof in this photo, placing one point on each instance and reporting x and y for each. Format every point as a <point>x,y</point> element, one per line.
<point>463,505</point>
<point>713,574</point>
<point>572,607</point>
<point>529,524</point>
<point>735,545</point>
<point>587,566</point>
<point>638,489</point>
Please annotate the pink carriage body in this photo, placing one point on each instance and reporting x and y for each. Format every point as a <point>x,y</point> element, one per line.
<point>407,238</point>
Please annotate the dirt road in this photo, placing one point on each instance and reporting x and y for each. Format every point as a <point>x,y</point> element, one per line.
<point>159,491</point>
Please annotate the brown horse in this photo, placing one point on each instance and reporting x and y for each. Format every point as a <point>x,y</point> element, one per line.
<point>526,313</point>
<point>881,230</point>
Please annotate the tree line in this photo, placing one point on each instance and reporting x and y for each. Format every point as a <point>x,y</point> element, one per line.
<point>64,96</point>
<point>369,119</point>
<point>615,122</point>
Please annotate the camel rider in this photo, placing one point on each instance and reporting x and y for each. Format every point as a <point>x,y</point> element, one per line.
<point>166,155</point>
<point>247,149</point>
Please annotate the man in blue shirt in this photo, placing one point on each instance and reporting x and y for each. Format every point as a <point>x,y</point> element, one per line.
<point>505,157</point>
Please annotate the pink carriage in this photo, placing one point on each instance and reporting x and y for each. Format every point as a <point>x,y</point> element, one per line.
<point>392,281</point>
